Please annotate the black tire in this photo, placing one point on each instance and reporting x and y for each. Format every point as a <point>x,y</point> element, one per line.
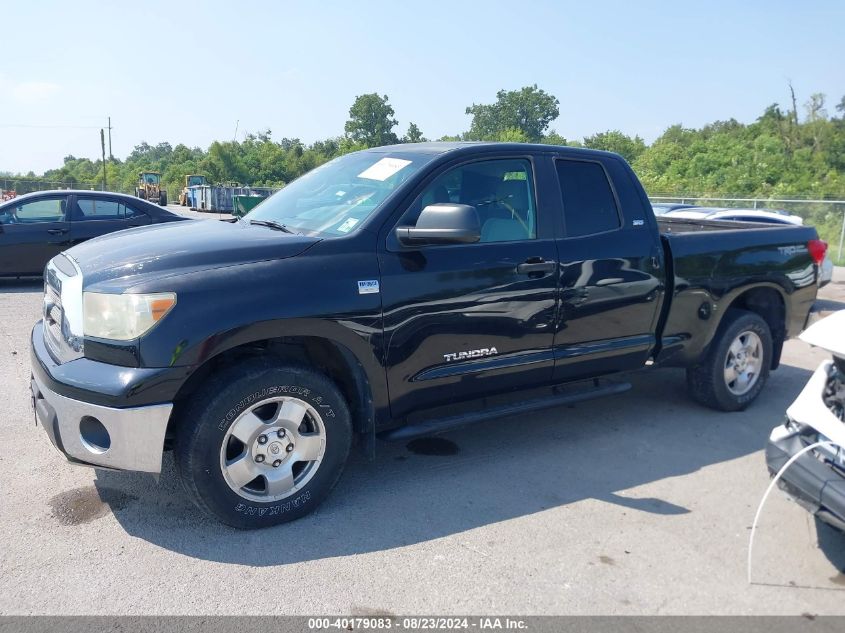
<point>162,201</point>
<point>706,381</point>
<point>215,408</point>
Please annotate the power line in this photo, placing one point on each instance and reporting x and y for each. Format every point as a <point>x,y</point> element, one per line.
<point>69,127</point>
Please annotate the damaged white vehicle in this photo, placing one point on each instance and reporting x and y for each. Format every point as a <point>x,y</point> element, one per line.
<point>816,478</point>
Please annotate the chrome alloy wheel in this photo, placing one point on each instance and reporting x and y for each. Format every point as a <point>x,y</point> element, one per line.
<point>743,363</point>
<point>273,449</point>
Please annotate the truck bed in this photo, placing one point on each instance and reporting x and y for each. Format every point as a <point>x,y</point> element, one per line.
<point>712,262</point>
<point>677,226</point>
<point>689,238</point>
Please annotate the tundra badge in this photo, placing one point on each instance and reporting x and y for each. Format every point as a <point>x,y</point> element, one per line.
<point>473,353</point>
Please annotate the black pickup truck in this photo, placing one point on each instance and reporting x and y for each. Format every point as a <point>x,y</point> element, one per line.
<point>392,293</point>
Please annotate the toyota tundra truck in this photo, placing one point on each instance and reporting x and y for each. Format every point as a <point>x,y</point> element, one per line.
<point>397,292</point>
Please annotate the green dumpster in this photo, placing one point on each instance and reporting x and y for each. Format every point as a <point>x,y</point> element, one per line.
<point>244,204</point>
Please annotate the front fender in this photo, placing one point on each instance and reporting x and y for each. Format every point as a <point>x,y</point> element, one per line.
<point>313,295</point>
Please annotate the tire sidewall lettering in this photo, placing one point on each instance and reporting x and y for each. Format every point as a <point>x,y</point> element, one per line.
<point>269,392</point>
<point>274,509</point>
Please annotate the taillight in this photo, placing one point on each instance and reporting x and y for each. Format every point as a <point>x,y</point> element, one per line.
<point>817,249</point>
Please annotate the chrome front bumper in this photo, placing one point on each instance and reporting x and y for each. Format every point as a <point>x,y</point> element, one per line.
<point>135,435</point>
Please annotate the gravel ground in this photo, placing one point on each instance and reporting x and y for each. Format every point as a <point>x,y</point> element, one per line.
<point>637,504</point>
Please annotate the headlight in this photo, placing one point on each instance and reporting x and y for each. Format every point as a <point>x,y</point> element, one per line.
<point>123,317</point>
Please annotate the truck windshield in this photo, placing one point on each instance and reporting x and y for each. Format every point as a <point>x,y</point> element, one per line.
<point>338,196</point>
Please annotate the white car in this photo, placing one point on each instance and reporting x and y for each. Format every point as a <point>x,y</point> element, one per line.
<point>813,438</point>
<point>751,215</point>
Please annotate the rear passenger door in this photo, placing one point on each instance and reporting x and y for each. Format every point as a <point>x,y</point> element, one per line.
<point>611,277</point>
<point>92,216</point>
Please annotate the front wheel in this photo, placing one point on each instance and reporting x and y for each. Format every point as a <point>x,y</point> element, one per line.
<point>162,201</point>
<point>263,444</point>
<point>734,371</point>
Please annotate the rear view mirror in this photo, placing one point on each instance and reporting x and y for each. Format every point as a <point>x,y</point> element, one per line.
<point>443,223</point>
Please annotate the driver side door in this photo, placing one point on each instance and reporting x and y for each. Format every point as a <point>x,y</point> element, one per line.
<point>469,320</point>
<point>32,232</point>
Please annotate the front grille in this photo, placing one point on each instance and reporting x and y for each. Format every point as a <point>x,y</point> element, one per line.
<point>53,318</point>
<point>834,398</point>
<point>62,312</point>
<point>834,392</point>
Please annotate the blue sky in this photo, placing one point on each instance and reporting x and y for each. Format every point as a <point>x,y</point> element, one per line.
<point>296,67</point>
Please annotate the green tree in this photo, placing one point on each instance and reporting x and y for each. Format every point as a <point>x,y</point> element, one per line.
<point>414,135</point>
<point>553,138</point>
<point>371,121</point>
<point>615,141</point>
<point>511,135</point>
<point>529,110</point>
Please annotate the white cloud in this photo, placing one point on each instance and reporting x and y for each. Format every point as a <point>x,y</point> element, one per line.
<point>34,91</point>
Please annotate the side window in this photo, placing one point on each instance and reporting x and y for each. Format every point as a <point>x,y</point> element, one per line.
<point>589,206</point>
<point>502,192</point>
<point>49,210</point>
<point>99,209</point>
<point>131,213</point>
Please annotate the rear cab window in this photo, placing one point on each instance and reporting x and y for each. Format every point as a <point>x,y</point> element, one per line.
<point>589,204</point>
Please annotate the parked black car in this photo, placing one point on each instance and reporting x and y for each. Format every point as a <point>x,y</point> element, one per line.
<point>37,226</point>
<point>395,292</point>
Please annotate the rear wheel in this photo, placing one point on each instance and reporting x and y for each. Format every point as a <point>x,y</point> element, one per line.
<point>163,199</point>
<point>736,368</point>
<point>263,444</point>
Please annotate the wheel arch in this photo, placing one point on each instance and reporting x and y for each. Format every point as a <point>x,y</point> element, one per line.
<point>327,355</point>
<point>769,303</point>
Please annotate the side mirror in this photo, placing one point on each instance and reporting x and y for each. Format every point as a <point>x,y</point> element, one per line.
<point>443,223</point>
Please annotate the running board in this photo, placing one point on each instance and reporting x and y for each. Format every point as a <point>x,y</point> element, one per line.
<point>441,425</point>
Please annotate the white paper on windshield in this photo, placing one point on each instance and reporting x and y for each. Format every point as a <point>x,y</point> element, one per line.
<point>384,169</point>
<point>348,225</point>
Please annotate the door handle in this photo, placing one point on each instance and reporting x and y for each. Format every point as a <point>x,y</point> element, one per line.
<point>57,231</point>
<point>536,265</point>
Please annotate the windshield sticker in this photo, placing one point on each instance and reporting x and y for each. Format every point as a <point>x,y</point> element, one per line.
<point>348,225</point>
<point>384,169</point>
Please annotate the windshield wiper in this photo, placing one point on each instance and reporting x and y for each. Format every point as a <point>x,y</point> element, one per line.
<point>274,225</point>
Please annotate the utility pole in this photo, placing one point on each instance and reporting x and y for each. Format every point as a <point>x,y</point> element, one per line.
<point>111,156</point>
<point>103,146</point>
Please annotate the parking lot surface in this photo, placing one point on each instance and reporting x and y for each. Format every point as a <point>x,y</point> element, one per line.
<point>636,504</point>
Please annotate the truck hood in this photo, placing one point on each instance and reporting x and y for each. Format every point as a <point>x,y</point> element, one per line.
<point>180,247</point>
